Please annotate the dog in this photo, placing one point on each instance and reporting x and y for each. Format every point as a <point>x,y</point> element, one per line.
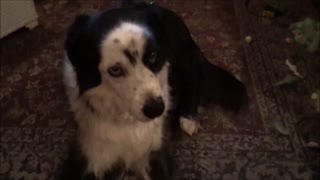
<point>131,74</point>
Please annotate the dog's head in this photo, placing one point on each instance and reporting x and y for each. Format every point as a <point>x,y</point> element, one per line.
<point>128,54</point>
<point>117,60</point>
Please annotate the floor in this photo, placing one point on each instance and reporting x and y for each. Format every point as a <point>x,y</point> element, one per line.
<point>266,141</point>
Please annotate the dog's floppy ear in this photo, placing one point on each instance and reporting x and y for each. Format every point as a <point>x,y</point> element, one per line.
<point>76,36</point>
<point>83,52</point>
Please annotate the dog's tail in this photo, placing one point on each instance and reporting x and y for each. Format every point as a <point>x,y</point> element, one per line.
<point>129,3</point>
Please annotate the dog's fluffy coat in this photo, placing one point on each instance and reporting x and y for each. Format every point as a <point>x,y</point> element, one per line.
<point>118,63</point>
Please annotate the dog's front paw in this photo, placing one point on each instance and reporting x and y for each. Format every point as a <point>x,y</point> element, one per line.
<point>190,126</point>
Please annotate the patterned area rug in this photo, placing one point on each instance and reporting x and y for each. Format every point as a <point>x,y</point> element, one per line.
<point>36,124</point>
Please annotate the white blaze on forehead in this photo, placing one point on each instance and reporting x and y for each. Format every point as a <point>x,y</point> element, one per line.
<point>128,36</point>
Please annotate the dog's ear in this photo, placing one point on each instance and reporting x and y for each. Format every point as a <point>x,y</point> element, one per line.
<point>82,49</point>
<point>76,36</point>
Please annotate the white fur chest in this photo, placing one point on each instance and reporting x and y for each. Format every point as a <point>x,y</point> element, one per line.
<point>105,144</point>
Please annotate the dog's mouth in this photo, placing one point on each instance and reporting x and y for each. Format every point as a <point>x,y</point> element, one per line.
<point>153,107</point>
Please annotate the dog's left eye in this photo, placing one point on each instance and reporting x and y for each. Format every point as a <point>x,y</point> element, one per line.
<point>153,57</point>
<point>116,71</point>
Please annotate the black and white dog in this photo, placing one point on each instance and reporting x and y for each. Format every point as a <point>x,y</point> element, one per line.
<point>128,72</point>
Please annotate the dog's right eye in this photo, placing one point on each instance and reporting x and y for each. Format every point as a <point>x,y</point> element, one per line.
<point>116,71</point>
<point>153,57</point>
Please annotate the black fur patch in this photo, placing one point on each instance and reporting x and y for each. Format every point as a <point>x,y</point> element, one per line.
<point>89,106</point>
<point>116,41</point>
<point>83,52</point>
<point>150,58</point>
<point>130,56</point>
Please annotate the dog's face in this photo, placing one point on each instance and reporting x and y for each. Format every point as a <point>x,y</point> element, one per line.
<point>128,57</point>
<point>124,67</point>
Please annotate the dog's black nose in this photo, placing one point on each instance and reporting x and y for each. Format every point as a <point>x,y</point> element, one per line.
<point>153,107</point>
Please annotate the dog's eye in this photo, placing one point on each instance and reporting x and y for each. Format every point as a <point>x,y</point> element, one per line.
<point>153,57</point>
<point>116,71</point>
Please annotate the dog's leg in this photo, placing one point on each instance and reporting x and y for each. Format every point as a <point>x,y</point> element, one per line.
<point>189,108</point>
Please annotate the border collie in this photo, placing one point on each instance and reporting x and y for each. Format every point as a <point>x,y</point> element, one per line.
<point>129,72</point>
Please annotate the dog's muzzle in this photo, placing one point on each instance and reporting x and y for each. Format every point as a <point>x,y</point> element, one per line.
<point>153,107</point>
